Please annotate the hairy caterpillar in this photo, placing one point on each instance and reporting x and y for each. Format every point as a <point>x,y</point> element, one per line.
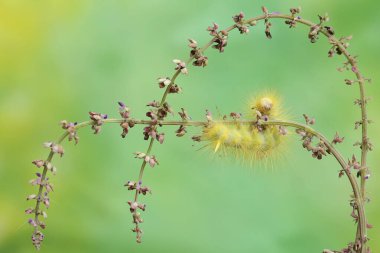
<point>251,142</point>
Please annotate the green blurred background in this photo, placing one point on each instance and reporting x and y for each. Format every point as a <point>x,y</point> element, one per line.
<point>60,59</point>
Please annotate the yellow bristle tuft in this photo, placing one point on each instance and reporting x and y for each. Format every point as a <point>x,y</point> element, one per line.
<point>249,142</point>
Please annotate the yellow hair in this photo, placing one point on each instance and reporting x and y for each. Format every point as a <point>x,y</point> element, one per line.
<point>249,142</point>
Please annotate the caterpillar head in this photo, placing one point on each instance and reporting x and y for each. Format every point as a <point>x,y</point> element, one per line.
<point>267,105</point>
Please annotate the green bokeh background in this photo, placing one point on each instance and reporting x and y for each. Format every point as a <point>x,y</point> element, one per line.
<point>60,59</point>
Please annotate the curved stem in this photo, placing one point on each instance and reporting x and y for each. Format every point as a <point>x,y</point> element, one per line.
<point>358,192</point>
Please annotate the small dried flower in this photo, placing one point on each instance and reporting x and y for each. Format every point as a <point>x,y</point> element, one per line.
<point>133,206</point>
<point>163,82</point>
<point>337,139</point>
<point>154,104</point>
<point>308,120</point>
<point>201,61</point>
<point>137,218</point>
<point>149,131</point>
<point>181,131</point>
<point>291,23</point>
<point>39,163</point>
<point>32,222</point>
<point>175,89</point>
<point>131,185</point>
<point>193,43</point>
<point>46,200</point>
<point>314,32</point>
<point>196,138</point>
<point>125,126</point>
<point>183,114</point>
<point>220,43</point>
<point>208,115</point>
<point>37,238</point>
<point>180,66</point>
<point>138,155</point>
<point>267,29</point>
<point>97,119</point>
<point>151,160</point>
<point>238,17</point>
<point>295,11</point>
<point>354,163</point>
<point>265,10</point>
<point>160,138</point>
<point>213,29</point>
<point>282,130</point>
<point>123,110</point>
<point>330,30</point>
<point>235,115</point>
<point>31,196</point>
<point>152,115</point>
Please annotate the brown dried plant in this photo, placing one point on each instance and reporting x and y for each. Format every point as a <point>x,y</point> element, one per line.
<point>254,136</point>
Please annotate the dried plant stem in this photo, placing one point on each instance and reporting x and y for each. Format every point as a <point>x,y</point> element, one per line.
<point>306,128</point>
<point>358,190</point>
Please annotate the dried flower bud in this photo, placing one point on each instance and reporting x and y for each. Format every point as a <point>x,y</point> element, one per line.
<point>123,110</point>
<point>193,43</point>
<point>46,200</point>
<point>137,218</point>
<point>42,225</point>
<point>163,82</point>
<point>139,155</point>
<point>291,23</point>
<point>201,61</point>
<point>39,163</point>
<point>208,115</point>
<point>349,82</point>
<point>213,29</point>
<point>181,131</point>
<point>183,114</point>
<point>267,29</point>
<point>235,115</point>
<point>152,115</point>
<point>32,222</point>
<point>97,119</point>
<point>238,17</point>
<point>37,238</point>
<point>301,132</point>
<point>131,185</point>
<point>151,160</point>
<point>180,66</point>
<point>175,89</point>
<point>154,103</point>
<point>265,10</point>
<point>71,129</point>
<point>308,120</point>
<point>31,196</point>
<point>133,206</point>
<point>295,11</point>
<point>330,30</point>
<point>197,138</point>
<point>125,126</point>
<point>337,139</point>
<point>324,18</point>
<point>149,131</point>
<point>282,130</point>
<point>353,163</point>
<point>160,138</point>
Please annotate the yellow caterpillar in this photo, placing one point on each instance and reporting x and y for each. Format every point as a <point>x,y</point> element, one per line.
<point>249,141</point>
